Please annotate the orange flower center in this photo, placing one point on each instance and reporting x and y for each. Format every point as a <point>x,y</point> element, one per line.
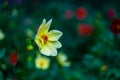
<point>45,38</point>
<point>118,26</point>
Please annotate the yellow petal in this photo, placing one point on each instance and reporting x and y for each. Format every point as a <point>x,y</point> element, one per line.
<point>54,35</point>
<point>55,44</point>
<point>48,50</point>
<point>42,27</point>
<point>38,42</point>
<point>48,24</point>
<point>54,53</point>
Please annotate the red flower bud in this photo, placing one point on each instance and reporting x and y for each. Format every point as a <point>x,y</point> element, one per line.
<point>85,30</point>
<point>80,13</point>
<point>111,13</point>
<point>115,26</point>
<point>13,58</point>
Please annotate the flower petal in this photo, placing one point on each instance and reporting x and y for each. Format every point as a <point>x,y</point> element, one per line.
<point>54,53</point>
<point>38,42</point>
<point>42,27</point>
<point>48,50</point>
<point>55,44</point>
<point>48,24</point>
<point>54,35</point>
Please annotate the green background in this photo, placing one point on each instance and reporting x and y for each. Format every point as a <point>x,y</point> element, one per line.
<point>87,54</point>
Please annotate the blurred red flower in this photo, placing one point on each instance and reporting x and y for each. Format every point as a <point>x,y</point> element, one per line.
<point>111,13</point>
<point>85,30</point>
<point>80,13</point>
<point>68,14</point>
<point>115,26</point>
<point>13,58</point>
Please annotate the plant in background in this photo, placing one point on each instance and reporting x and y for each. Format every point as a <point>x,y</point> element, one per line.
<point>62,60</point>
<point>2,35</point>
<point>68,14</point>
<point>91,48</point>
<point>48,41</point>
<point>29,45</point>
<point>103,68</point>
<point>29,33</point>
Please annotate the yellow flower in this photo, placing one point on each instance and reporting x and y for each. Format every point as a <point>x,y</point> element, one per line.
<point>42,62</point>
<point>48,41</point>
<point>62,60</point>
<point>2,35</point>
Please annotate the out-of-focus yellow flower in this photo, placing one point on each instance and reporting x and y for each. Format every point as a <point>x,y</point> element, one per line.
<point>30,47</point>
<point>42,62</point>
<point>62,60</point>
<point>48,41</point>
<point>2,35</point>
<point>103,68</point>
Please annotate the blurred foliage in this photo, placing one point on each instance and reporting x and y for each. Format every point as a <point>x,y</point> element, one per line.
<point>92,56</point>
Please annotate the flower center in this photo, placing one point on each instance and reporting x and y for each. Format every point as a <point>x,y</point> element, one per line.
<point>45,38</point>
<point>41,64</point>
<point>118,26</point>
